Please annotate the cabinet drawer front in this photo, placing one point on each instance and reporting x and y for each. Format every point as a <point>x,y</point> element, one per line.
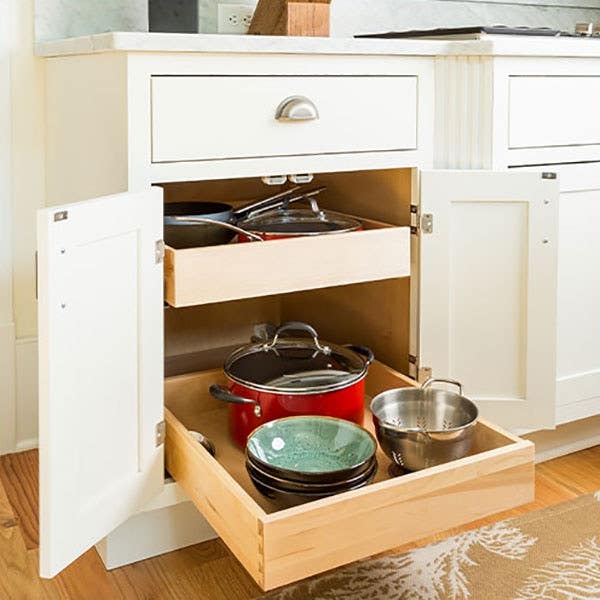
<point>278,547</point>
<point>553,111</point>
<point>235,271</point>
<point>204,118</point>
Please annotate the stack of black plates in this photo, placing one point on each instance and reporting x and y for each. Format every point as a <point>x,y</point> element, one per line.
<point>299,459</point>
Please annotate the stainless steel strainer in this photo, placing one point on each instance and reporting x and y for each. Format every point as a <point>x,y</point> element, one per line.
<point>423,427</point>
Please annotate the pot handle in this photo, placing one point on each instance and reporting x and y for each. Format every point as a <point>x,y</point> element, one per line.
<point>266,203</point>
<point>431,381</point>
<point>297,326</point>
<point>218,392</point>
<point>248,234</point>
<point>282,204</point>
<point>364,351</point>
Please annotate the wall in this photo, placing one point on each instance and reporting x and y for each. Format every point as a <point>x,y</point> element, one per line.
<point>366,16</point>
<point>22,183</point>
<point>63,18</point>
<point>71,18</point>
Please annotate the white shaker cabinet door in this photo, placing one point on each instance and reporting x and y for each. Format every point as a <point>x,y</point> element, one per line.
<point>488,288</point>
<point>100,281</point>
<point>578,355</point>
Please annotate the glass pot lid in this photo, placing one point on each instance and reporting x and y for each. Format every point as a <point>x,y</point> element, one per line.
<point>297,365</point>
<point>298,221</point>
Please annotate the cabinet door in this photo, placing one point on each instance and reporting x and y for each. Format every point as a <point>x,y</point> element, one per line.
<point>100,316</point>
<point>578,353</point>
<point>487,290</point>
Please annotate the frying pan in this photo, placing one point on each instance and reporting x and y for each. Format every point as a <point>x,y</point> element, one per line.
<point>194,224</point>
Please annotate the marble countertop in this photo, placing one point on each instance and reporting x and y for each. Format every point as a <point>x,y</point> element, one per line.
<point>486,45</point>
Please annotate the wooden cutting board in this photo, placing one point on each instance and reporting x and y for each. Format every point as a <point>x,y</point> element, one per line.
<point>291,17</point>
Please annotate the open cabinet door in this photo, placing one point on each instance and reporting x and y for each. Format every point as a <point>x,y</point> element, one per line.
<point>487,257</point>
<point>100,309</point>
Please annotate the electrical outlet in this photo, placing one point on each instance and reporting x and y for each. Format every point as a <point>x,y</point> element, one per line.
<point>235,18</point>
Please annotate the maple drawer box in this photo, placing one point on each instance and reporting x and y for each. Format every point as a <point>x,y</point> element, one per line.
<point>278,547</point>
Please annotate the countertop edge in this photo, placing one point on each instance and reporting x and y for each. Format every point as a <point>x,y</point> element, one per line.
<point>245,44</point>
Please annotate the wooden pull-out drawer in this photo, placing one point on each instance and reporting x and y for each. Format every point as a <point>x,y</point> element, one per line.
<point>278,547</point>
<point>209,118</point>
<point>233,271</point>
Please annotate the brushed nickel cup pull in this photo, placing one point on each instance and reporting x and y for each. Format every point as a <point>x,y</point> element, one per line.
<point>296,108</point>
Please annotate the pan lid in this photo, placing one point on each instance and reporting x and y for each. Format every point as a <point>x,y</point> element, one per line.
<point>300,222</point>
<point>287,222</point>
<point>297,365</point>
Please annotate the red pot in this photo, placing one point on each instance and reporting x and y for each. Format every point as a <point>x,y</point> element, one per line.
<point>293,376</point>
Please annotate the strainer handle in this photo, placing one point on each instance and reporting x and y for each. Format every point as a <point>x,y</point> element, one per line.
<point>432,380</point>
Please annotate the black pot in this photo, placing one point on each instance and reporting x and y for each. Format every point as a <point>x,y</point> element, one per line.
<point>198,224</point>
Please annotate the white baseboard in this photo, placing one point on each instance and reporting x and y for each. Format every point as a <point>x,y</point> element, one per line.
<point>8,399</point>
<point>566,439</point>
<point>26,358</point>
<point>154,532</point>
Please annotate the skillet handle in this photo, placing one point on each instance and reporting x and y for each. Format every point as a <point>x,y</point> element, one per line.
<point>188,220</point>
<point>218,392</point>
<point>364,351</point>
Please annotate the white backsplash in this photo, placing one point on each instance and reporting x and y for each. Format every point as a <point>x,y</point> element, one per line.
<point>66,18</point>
<point>56,19</point>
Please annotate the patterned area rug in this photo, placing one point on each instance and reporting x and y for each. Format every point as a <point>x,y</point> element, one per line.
<point>551,554</point>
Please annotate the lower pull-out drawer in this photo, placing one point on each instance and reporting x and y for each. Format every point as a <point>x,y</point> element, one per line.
<point>278,546</point>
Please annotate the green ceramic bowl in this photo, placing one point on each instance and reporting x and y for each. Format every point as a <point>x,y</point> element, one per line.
<point>311,449</point>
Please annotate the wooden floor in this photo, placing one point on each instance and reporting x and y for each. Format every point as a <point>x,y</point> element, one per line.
<point>203,572</point>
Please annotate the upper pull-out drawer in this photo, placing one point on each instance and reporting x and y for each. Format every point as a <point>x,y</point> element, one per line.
<point>219,117</point>
<point>196,276</point>
<point>553,111</point>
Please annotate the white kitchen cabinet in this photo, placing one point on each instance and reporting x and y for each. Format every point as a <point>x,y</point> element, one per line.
<point>100,287</point>
<point>467,301</point>
<point>540,114</point>
<point>578,304</point>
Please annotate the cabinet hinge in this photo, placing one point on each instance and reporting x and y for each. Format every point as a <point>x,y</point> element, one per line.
<point>159,251</point>
<point>420,223</point>
<point>427,223</point>
<point>161,430</point>
<point>414,219</point>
